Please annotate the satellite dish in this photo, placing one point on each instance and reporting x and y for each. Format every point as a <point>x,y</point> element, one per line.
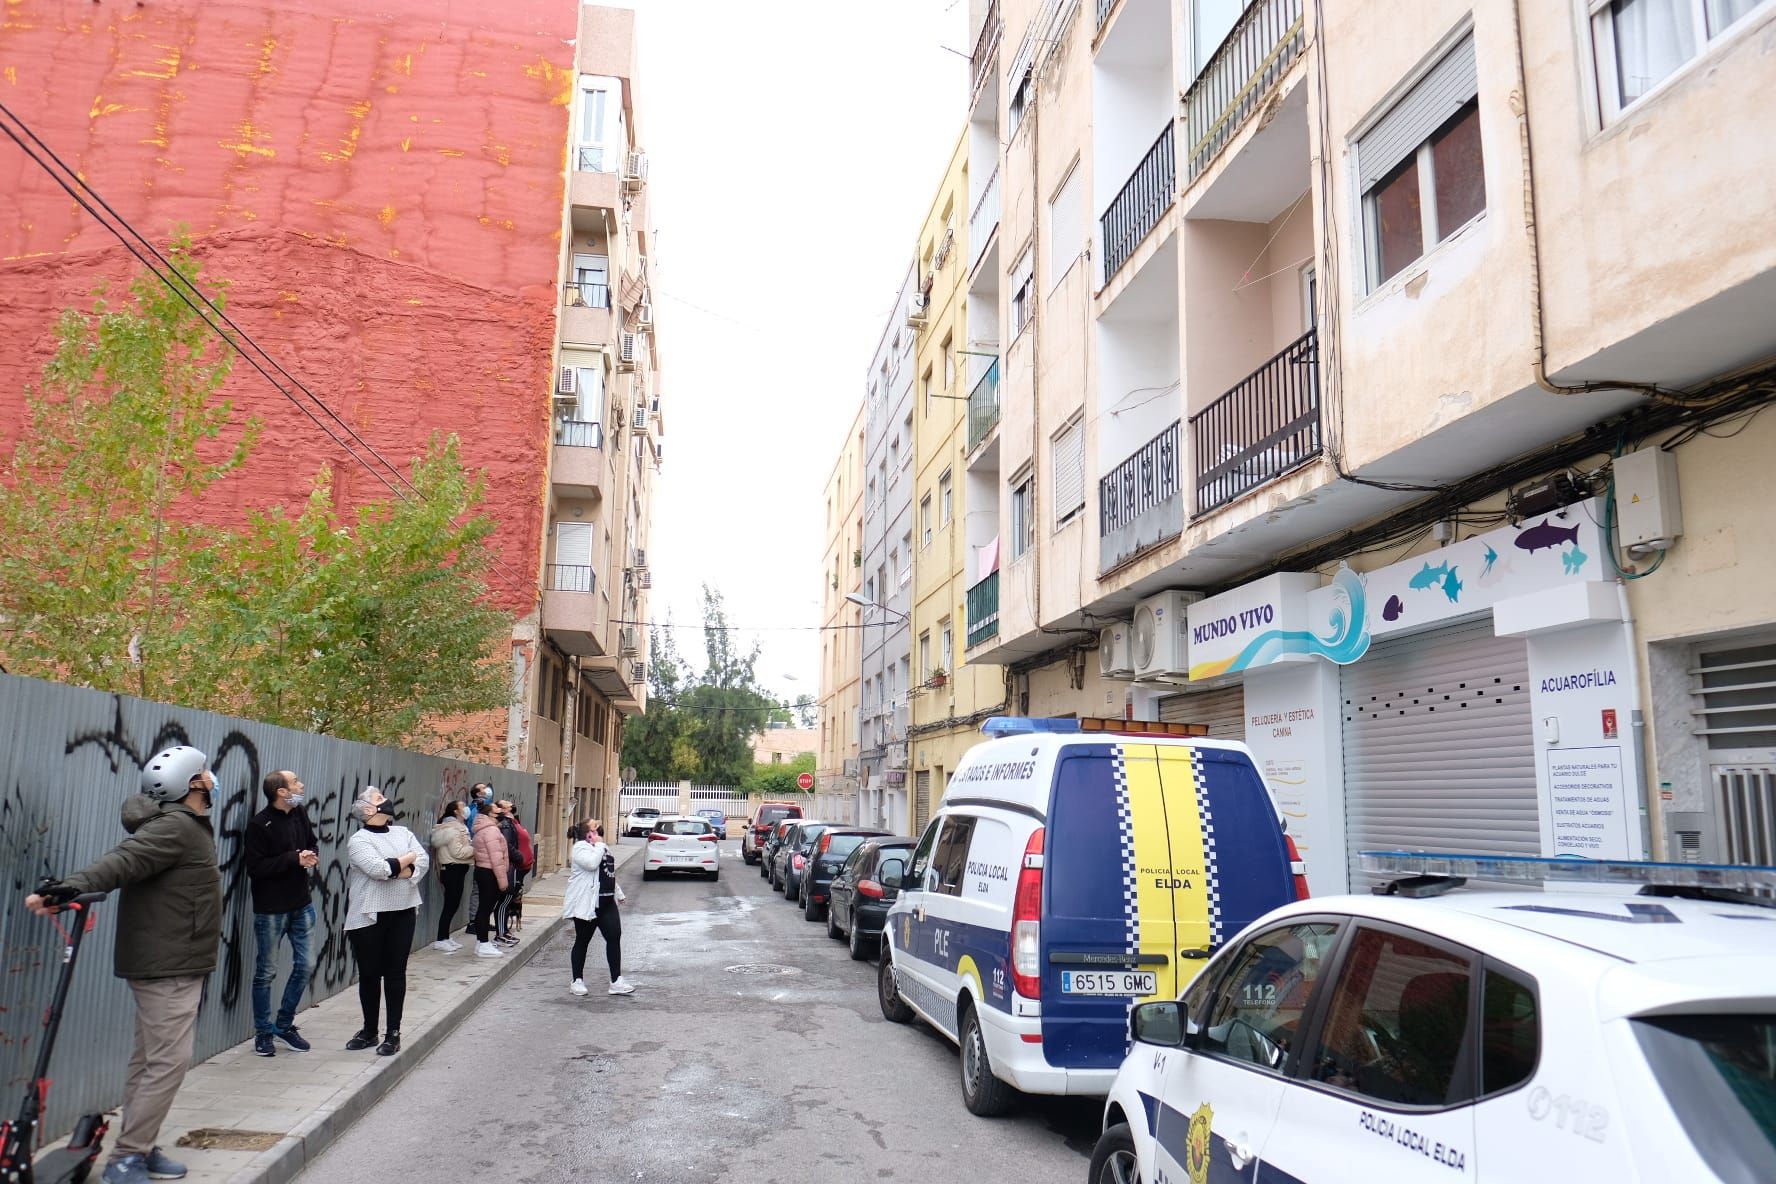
<point>628,775</point>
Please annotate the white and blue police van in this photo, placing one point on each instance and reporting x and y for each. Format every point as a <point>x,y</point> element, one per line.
<point>1070,873</point>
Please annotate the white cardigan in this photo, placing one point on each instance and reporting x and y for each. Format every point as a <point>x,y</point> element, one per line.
<point>580,900</point>
<point>369,887</point>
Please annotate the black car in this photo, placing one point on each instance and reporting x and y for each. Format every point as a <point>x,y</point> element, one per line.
<point>831,850</point>
<point>793,855</point>
<point>859,897</point>
<point>768,850</point>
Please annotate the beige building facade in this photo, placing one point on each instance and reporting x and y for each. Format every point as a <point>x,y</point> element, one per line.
<point>588,671</point>
<point>841,636</point>
<point>1380,386</point>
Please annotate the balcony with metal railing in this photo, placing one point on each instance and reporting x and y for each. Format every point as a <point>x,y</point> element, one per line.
<point>983,610</point>
<point>1105,8</point>
<point>984,220</point>
<point>574,614</point>
<point>1247,65</point>
<point>1142,201</point>
<point>986,53</point>
<point>586,316</point>
<point>1268,424</point>
<point>579,467</point>
<point>983,406</point>
<point>1140,501</point>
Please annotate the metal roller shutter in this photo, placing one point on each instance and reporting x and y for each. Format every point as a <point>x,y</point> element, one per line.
<point>1439,747</point>
<point>1223,710</point>
<point>921,800</point>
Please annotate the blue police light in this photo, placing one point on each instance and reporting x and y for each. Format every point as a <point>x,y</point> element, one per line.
<point>1023,725</point>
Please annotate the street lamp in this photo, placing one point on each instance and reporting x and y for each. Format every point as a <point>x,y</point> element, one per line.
<point>861,601</point>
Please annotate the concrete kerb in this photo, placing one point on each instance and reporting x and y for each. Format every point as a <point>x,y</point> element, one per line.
<point>296,1150</point>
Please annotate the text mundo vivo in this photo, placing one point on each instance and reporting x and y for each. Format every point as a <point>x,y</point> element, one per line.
<point>1232,623</point>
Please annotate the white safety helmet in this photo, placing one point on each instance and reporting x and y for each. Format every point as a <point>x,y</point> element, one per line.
<point>167,775</point>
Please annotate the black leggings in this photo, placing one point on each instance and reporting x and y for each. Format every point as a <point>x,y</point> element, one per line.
<point>612,926</point>
<point>452,877</point>
<point>502,911</point>
<point>487,894</point>
<point>381,950</point>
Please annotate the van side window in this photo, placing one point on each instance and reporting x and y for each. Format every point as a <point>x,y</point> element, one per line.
<point>1398,1028</point>
<point>922,857</point>
<point>951,857</point>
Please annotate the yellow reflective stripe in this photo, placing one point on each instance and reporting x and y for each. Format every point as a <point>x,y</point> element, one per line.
<point>1177,769</point>
<point>1161,817</point>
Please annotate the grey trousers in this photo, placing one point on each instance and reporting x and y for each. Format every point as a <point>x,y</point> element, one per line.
<point>166,1024</point>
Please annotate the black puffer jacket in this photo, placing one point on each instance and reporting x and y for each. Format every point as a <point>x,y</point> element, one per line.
<point>169,915</point>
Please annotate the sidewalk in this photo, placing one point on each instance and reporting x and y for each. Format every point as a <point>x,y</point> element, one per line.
<point>242,1119</point>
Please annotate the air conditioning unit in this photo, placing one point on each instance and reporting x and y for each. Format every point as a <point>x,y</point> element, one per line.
<point>629,645</point>
<point>644,316</point>
<point>635,170</point>
<point>638,672</point>
<point>1158,636</point>
<point>1115,658</point>
<point>641,419</point>
<point>641,557</point>
<point>565,380</point>
<point>916,310</point>
<point>628,349</point>
<point>643,578</point>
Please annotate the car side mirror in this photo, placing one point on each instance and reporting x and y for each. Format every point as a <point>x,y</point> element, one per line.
<point>1161,1024</point>
<point>891,873</point>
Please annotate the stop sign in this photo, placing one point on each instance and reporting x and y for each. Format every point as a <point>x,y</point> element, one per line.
<point>805,781</point>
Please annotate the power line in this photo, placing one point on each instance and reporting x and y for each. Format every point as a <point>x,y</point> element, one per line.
<point>185,285</point>
<point>763,628</point>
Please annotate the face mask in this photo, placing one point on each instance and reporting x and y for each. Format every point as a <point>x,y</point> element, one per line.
<point>369,810</point>
<point>296,799</point>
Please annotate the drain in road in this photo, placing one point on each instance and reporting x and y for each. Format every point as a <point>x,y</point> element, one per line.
<point>762,968</point>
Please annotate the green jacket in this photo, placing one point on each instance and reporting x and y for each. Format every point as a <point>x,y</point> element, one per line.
<point>169,916</point>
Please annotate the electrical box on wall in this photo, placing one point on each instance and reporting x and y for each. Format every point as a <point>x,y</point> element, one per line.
<point>1649,516</point>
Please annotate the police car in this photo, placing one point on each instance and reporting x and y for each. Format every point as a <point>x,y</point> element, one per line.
<point>1425,1034</point>
<point>1071,872</point>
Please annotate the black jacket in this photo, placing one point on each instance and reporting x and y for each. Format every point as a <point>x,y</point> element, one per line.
<point>280,882</point>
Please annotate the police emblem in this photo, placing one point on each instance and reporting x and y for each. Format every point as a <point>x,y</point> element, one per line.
<point>1197,1143</point>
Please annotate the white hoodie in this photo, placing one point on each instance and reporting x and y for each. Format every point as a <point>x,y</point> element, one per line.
<point>581,898</point>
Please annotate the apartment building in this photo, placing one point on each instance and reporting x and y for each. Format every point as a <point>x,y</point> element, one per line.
<point>435,226</point>
<point>607,440</point>
<point>887,672</point>
<point>956,373</point>
<point>1380,386</point>
<point>841,618</point>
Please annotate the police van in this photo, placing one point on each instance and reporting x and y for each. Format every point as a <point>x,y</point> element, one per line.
<point>1070,874</point>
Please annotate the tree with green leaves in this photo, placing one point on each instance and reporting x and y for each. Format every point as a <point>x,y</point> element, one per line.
<point>775,781</point>
<point>373,626</point>
<point>651,740</point>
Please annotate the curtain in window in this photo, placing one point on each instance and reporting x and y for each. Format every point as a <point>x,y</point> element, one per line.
<point>1722,13</point>
<point>1653,38</point>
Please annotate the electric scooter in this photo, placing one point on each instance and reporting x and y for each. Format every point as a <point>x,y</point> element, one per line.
<point>18,1137</point>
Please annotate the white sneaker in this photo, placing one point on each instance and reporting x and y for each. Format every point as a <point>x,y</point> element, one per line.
<point>578,987</point>
<point>486,949</point>
<point>453,943</point>
<point>444,947</point>
<point>622,987</point>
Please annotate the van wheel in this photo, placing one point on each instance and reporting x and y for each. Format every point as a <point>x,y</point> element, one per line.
<point>894,1008</point>
<point>984,1094</point>
<point>854,942</point>
<point>1113,1159</point>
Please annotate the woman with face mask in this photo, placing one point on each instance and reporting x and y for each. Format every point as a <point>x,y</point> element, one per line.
<point>386,863</point>
<point>456,855</point>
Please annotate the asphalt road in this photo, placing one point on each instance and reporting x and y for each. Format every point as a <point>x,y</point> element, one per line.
<point>753,1050</point>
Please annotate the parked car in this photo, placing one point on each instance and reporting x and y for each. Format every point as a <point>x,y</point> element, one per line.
<point>768,853</point>
<point>718,822</point>
<point>682,843</point>
<point>1436,1033</point>
<point>793,856</point>
<point>829,853</point>
<point>1087,872</point>
<point>640,821</point>
<point>760,826</point>
<point>859,899</point>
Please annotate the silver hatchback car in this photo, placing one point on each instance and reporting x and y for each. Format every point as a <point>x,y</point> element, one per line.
<point>682,843</point>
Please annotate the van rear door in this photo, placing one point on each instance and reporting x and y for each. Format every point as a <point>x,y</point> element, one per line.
<point>1155,855</point>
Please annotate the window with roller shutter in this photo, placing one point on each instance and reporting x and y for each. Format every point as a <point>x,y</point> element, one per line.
<point>1069,472</point>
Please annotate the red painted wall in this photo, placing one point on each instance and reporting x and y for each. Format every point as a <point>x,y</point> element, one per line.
<point>382,190</point>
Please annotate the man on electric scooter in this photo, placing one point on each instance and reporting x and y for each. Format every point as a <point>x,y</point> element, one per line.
<point>169,925</point>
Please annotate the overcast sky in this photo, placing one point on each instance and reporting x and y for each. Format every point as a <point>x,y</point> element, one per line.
<point>793,147</point>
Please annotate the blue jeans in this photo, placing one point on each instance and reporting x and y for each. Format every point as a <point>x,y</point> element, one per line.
<point>268,929</point>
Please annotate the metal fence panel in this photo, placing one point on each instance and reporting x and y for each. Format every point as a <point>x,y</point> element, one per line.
<point>69,759</point>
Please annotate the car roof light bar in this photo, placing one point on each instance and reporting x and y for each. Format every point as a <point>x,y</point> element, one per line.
<point>1026,725</point>
<point>1754,881</point>
<point>1020,725</point>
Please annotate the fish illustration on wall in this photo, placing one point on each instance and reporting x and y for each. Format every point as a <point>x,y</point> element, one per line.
<point>1452,587</point>
<point>1392,609</point>
<point>1491,558</point>
<point>1546,534</point>
<point>1428,576</point>
<point>1573,560</point>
